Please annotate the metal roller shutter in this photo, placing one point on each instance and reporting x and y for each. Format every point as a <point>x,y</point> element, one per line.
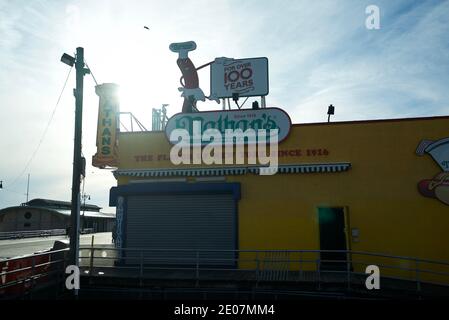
<point>173,226</point>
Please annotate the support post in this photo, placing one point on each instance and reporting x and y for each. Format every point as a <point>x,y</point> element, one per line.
<point>77,162</point>
<point>91,263</point>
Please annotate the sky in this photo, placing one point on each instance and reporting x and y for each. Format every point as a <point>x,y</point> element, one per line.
<point>319,53</point>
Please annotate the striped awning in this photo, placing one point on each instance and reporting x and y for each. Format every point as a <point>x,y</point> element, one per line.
<point>227,171</point>
<point>305,168</point>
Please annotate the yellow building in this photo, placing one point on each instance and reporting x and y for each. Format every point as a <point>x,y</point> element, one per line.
<point>355,181</point>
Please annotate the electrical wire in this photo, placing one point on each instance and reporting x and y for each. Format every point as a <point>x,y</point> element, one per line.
<point>45,131</point>
<point>91,73</point>
<point>244,102</point>
<point>13,191</point>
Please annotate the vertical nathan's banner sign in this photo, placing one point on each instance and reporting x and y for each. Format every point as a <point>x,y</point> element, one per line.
<point>247,77</point>
<point>107,126</point>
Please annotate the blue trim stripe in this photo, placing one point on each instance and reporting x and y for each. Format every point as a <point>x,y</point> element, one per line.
<point>173,188</point>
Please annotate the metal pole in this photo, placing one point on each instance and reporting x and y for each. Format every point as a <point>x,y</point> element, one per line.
<point>418,282</point>
<point>84,211</point>
<point>33,271</point>
<point>28,186</point>
<point>348,270</point>
<point>257,267</point>
<point>164,116</point>
<point>91,264</point>
<point>84,196</point>
<point>318,268</point>
<point>76,177</point>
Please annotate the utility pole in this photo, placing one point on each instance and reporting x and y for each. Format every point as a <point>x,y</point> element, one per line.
<point>28,186</point>
<point>77,162</point>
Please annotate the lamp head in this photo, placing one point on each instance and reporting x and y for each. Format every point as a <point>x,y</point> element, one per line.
<point>68,59</point>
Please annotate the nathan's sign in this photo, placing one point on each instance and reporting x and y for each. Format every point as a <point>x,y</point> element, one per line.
<point>266,119</point>
<point>107,126</point>
<point>245,77</point>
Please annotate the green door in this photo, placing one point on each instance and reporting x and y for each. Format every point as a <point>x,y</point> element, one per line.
<point>332,237</point>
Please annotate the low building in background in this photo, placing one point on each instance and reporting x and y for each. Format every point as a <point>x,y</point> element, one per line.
<point>45,214</point>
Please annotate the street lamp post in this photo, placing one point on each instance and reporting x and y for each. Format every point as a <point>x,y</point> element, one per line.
<point>85,196</point>
<point>78,61</point>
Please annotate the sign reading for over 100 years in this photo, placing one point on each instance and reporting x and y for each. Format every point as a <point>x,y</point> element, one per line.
<point>247,77</point>
<point>259,119</point>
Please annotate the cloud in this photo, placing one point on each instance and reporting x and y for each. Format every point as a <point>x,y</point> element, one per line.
<point>319,53</point>
<point>379,74</point>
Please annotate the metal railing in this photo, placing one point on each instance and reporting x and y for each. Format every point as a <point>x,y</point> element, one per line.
<point>87,230</point>
<point>22,275</point>
<point>31,233</point>
<point>303,268</point>
<point>306,266</point>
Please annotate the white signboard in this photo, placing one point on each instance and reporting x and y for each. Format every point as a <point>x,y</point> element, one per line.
<point>265,118</point>
<point>247,77</point>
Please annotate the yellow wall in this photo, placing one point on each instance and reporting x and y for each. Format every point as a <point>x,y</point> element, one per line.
<point>379,191</point>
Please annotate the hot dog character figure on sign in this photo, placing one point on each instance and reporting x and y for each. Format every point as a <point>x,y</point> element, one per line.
<point>438,187</point>
<point>190,88</point>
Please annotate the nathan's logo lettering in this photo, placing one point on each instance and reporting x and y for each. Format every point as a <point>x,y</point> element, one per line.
<point>257,120</point>
<point>189,149</point>
<point>224,123</point>
<point>106,134</point>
